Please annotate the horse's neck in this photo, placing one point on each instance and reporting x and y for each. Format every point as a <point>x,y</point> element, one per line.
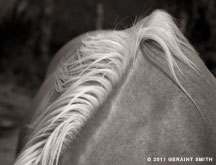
<point>148,116</point>
<point>47,92</point>
<point>68,49</point>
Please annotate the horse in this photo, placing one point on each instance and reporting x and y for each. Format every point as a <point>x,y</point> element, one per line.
<point>141,95</point>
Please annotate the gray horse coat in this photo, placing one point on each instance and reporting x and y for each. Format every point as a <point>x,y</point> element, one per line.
<point>146,115</point>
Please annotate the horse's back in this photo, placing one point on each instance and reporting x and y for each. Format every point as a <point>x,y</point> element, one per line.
<point>150,116</point>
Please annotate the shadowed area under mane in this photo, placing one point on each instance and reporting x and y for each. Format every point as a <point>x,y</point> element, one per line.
<point>85,78</point>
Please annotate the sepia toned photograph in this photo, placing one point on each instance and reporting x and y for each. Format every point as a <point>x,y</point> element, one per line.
<point>107,82</point>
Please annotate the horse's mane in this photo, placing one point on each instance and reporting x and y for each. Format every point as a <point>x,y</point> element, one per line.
<point>88,76</point>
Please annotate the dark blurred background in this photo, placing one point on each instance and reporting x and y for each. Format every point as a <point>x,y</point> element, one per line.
<point>31,31</point>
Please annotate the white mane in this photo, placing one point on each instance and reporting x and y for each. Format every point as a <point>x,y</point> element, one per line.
<point>86,79</point>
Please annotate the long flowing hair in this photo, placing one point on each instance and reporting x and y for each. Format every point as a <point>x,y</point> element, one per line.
<point>87,77</point>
